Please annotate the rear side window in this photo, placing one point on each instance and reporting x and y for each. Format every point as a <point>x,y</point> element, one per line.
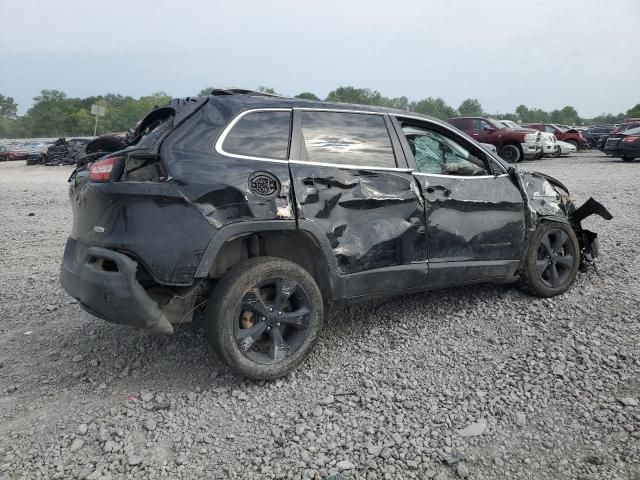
<point>260,134</point>
<point>347,138</point>
<point>460,123</point>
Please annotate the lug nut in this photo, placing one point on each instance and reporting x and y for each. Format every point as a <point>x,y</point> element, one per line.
<point>268,328</point>
<point>278,323</point>
<point>271,309</point>
<point>279,313</point>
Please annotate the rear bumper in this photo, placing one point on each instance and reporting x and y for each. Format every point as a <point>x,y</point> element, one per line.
<point>104,282</point>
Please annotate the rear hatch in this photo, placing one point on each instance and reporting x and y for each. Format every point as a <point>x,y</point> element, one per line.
<point>122,201</point>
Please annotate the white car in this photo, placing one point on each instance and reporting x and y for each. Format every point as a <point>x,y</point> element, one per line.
<point>549,144</point>
<point>565,148</point>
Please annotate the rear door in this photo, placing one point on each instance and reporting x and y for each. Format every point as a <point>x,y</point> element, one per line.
<point>474,211</point>
<point>351,184</point>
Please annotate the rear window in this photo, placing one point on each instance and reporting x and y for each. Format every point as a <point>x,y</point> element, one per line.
<point>347,138</point>
<point>260,134</point>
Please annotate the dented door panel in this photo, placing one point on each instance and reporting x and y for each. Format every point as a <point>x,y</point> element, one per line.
<point>372,218</point>
<point>473,218</point>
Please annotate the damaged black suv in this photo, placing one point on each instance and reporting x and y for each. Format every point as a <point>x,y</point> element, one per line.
<point>266,212</point>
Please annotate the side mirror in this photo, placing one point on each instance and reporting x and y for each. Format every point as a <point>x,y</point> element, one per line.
<point>489,129</point>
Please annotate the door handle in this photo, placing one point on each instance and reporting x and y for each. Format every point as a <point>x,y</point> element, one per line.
<point>446,192</point>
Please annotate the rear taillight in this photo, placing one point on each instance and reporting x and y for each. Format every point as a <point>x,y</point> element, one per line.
<point>631,139</point>
<point>106,170</point>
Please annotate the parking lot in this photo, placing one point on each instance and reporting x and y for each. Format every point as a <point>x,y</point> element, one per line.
<point>481,382</point>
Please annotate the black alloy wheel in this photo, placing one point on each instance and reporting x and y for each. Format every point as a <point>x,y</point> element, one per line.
<point>272,320</point>
<point>264,317</point>
<point>555,258</point>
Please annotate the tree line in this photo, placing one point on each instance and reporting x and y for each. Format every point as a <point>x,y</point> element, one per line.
<point>54,114</point>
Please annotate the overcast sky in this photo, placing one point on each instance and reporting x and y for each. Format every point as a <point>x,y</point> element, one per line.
<point>545,54</point>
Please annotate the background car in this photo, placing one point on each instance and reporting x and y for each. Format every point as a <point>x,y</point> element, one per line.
<point>625,145</point>
<point>570,135</point>
<point>513,144</point>
<point>565,148</point>
<point>12,153</point>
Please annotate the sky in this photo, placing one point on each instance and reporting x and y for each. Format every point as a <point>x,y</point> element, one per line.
<point>545,54</point>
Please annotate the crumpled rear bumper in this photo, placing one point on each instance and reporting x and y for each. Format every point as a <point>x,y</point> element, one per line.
<point>105,284</point>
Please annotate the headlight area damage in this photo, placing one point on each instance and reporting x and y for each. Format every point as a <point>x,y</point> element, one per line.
<point>548,199</point>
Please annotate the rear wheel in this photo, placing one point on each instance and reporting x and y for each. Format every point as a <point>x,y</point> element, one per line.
<point>557,151</point>
<point>628,159</point>
<point>511,153</point>
<point>264,317</point>
<point>552,262</point>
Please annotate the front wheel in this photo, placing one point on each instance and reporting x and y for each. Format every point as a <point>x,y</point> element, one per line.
<point>510,153</point>
<point>264,317</point>
<point>627,158</point>
<point>552,262</point>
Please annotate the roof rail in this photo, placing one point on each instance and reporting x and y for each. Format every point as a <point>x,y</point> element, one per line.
<point>239,91</point>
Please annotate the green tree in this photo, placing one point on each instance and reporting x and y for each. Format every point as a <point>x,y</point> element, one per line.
<point>205,91</point>
<point>307,96</point>
<point>436,107</point>
<point>268,90</point>
<point>360,96</point>
<point>8,107</point>
<point>634,112</point>
<point>470,107</point>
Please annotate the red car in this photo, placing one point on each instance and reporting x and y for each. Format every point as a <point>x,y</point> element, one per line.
<point>513,144</point>
<point>571,135</point>
<point>6,154</point>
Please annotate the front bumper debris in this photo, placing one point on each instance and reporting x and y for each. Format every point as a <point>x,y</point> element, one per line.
<point>105,284</point>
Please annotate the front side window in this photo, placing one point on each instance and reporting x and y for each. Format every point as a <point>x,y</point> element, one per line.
<point>262,134</point>
<point>346,138</point>
<point>549,129</point>
<point>439,154</point>
<point>481,125</point>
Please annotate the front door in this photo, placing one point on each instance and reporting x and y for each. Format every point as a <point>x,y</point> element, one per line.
<point>474,211</point>
<point>348,183</point>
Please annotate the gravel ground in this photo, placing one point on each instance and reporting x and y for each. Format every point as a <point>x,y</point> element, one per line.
<point>482,382</point>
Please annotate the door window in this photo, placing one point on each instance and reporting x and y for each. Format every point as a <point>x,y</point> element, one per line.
<point>346,138</point>
<point>549,129</point>
<point>262,134</point>
<point>439,154</point>
<point>481,125</point>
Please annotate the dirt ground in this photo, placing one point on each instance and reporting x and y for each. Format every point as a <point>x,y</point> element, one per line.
<point>482,382</point>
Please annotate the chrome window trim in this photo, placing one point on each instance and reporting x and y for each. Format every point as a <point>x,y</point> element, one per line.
<point>470,177</point>
<point>338,110</point>
<point>223,136</point>
<point>351,167</point>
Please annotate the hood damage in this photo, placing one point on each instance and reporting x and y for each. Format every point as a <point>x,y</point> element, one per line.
<point>549,199</point>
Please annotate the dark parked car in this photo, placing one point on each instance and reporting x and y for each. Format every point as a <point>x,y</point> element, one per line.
<point>610,142</point>
<point>625,145</point>
<point>272,211</point>
<point>513,144</point>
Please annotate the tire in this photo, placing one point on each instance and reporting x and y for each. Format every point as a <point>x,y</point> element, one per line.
<point>552,262</point>
<point>511,153</point>
<point>627,158</point>
<point>278,342</point>
<point>34,161</point>
<point>558,152</point>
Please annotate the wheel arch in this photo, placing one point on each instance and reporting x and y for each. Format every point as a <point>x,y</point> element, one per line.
<point>302,244</point>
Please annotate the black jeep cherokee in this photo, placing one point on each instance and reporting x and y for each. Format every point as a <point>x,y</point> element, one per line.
<point>270,211</point>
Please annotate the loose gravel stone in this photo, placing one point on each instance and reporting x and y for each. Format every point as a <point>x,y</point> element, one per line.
<point>387,389</point>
